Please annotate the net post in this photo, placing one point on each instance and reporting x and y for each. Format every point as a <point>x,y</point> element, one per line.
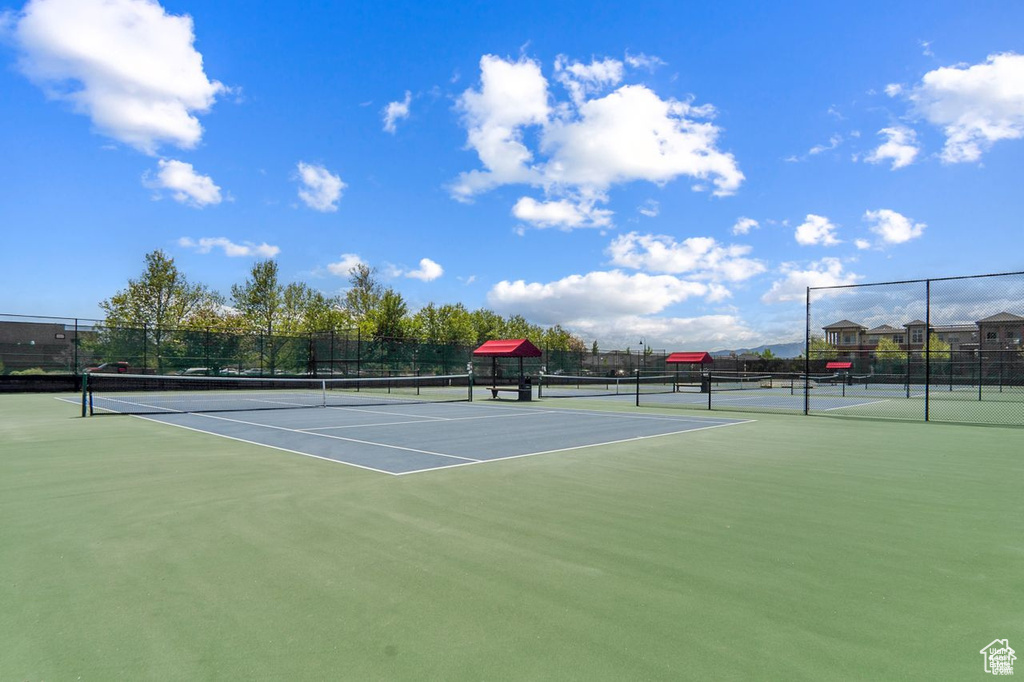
<point>323,392</point>
<point>85,393</point>
<point>469,372</point>
<point>637,387</point>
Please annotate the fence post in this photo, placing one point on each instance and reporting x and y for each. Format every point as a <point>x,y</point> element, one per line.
<point>927,344</point>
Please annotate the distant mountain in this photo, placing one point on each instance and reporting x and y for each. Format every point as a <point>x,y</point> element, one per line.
<point>779,350</point>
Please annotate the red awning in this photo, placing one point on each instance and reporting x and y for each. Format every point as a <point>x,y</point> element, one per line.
<point>509,348</point>
<point>690,358</point>
<point>838,365</point>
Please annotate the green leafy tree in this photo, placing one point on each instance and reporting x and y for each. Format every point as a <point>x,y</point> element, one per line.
<point>363,297</point>
<point>516,327</point>
<point>487,324</point>
<point>937,348</point>
<point>822,350</point>
<point>388,320</point>
<point>594,350</point>
<point>260,299</point>
<point>141,321</point>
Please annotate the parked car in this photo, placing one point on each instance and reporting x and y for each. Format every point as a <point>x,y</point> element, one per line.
<point>196,372</point>
<point>120,367</point>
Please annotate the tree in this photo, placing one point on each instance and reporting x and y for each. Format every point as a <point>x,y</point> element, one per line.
<point>937,348</point>
<point>516,327</point>
<point>363,297</point>
<point>260,299</point>
<point>487,324</point>
<point>594,350</point>
<point>151,309</point>
<point>388,320</point>
<point>822,350</point>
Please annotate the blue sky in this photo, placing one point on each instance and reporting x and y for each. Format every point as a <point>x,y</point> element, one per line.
<point>677,172</point>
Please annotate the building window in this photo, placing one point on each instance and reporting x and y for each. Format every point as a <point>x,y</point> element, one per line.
<point>897,338</point>
<point>991,336</point>
<point>848,339</point>
<point>917,336</point>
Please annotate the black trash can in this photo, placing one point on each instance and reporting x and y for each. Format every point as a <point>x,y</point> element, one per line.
<point>526,389</point>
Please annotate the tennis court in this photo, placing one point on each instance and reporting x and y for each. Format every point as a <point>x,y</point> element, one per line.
<point>648,543</point>
<point>414,438</point>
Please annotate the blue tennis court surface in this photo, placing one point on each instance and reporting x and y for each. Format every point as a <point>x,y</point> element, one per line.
<point>404,439</point>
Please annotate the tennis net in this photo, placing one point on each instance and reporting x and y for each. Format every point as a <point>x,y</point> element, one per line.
<point>739,383</point>
<point>565,386</point>
<point>151,394</point>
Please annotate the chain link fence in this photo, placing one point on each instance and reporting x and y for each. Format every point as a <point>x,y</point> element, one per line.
<point>48,352</point>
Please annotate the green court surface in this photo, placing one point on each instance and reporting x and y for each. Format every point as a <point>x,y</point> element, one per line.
<point>787,548</point>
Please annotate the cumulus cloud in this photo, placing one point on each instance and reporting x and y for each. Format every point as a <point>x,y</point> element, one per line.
<point>396,111</point>
<point>595,295</point>
<point>744,226</point>
<point>701,331</point>
<point>184,183</point>
<point>702,258</point>
<point>893,227</point>
<point>321,189</point>
<point>826,272</point>
<point>126,64</point>
<point>345,265</point>
<point>427,272</point>
<point>607,133</point>
<point>975,105</point>
<point>816,230</point>
<point>900,147</point>
<point>565,214</point>
<point>230,248</point>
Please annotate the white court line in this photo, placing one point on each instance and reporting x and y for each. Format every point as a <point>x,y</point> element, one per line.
<point>265,445</point>
<point>574,447</point>
<point>325,435</point>
<point>426,421</point>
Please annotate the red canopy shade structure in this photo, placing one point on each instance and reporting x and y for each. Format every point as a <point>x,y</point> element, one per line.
<point>838,365</point>
<point>508,348</point>
<point>690,358</point>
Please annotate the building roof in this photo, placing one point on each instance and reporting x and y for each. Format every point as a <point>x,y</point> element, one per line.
<point>844,324</point>
<point>884,329</point>
<point>916,323</point>
<point>1002,317</point>
<point>692,357</point>
<point>508,348</point>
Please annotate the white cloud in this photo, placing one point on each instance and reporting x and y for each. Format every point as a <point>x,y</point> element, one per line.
<point>565,214</point>
<point>427,272</point>
<point>396,111</point>
<point>585,145</point>
<point>702,332</point>
<point>583,79</point>
<point>701,257</point>
<point>893,89</point>
<point>893,227</point>
<point>321,189</point>
<point>231,249</point>
<point>975,105</point>
<point>596,295</point>
<point>650,208</point>
<point>126,64</point>
<point>862,244</point>
<point>512,95</point>
<point>816,229</point>
<point>347,263</point>
<point>900,146</point>
<point>744,225</point>
<point>827,272</point>
<point>185,184</point>
<point>833,142</point>
<point>643,61</point>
